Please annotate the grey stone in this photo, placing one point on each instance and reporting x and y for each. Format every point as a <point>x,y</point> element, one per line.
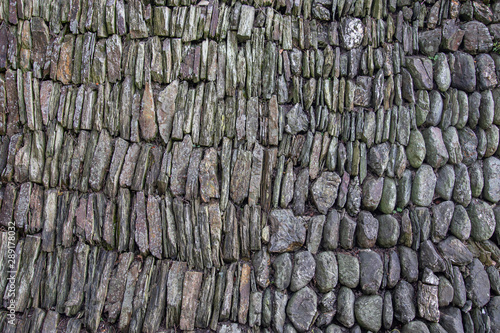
<point>368,312</point>
<point>388,231</point>
<point>436,152</point>
<point>486,74</point>
<point>430,258</point>
<point>452,143</point>
<point>288,232</point>
<point>462,190</point>
<point>301,309</point>
<point>348,270</point>
<point>315,232</point>
<point>372,192</point>
<point>303,270</point>
<point>494,313</point>
<point>476,178</point>
<point>429,41</point>
<point>388,200</point>
<point>326,271</point>
<point>404,308</point>
<point>459,291</point>
<point>347,232</point>
<point>331,230</point>
<point>378,158</point>
<point>424,184</point>
<point>420,69</point>
<point>282,270</point>
<point>296,120</point>
<point>366,230</point>
<point>463,72</point>
<point>371,271</point>
<point>477,38</point>
<point>416,326</point>
<point>445,292</point>
<point>451,319</point>
<point>442,74</point>
<point>460,225</point>
<point>445,182</point>
<point>409,263</point>
<point>387,311</point>
<point>486,110</point>
<point>477,284</point>
<point>491,170</point>
<point>436,108</point>
<point>415,151</point>
<point>324,191</point>
<point>345,307</point>
<point>351,32</point>
<point>482,220</point>
<point>441,219</point>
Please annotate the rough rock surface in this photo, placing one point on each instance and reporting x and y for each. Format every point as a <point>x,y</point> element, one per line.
<point>307,165</point>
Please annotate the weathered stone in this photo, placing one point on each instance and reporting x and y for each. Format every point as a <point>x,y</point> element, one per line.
<point>351,33</point>
<point>445,182</point>
<point>348,270</point>
<point>240,179</point>
<point>326,271</point>
<point>345,307</point>
<point>372,192</point>
<point>209,185</point>
<point>477,38</point>
<point>454,250</point>
<point>421,70</point>
<point>416,151</point>
<point>378,158</point>
<point>388,200</point>
<point>324,191</point>
<point>347,232</point>
<point>424,184</point>
<point>166,110</point>
<point>190,295</point>
<point>371,271</point>
<point>180,165</point>
<point>463,72</point>
<point>404,308</point>
<point>288,232</point>
<point>430,258</point>
<point>462,190</point>
<point>367,229</point>
<point>296,120</point>
<point>429,42</point>
<point>303,270</point>
<point>451,319</point>
<point>331,231</point>
<point>301,309</point>
<point>477,284</point>
<point>368,311</point>
<point>460,224</point>
<point>427,301</point>
<point>246,22</point>
<point>442,74</point>
<point>491,170</point>
<point>315,233</point>
<point>486,74</point>
<point>482,220</point>
<point>452,36</point>
<point>282,270</point>
<point>436,152</point>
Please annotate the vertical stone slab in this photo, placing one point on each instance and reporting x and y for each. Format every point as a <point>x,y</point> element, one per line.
<point>190,296</point>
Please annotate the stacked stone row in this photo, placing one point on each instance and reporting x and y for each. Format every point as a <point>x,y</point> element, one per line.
<point>281,166</point>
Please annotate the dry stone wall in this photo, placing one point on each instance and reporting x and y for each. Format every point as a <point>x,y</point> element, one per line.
<point>253,165</point>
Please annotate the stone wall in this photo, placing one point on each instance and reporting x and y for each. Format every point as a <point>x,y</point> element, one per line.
<point>274,166</point>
